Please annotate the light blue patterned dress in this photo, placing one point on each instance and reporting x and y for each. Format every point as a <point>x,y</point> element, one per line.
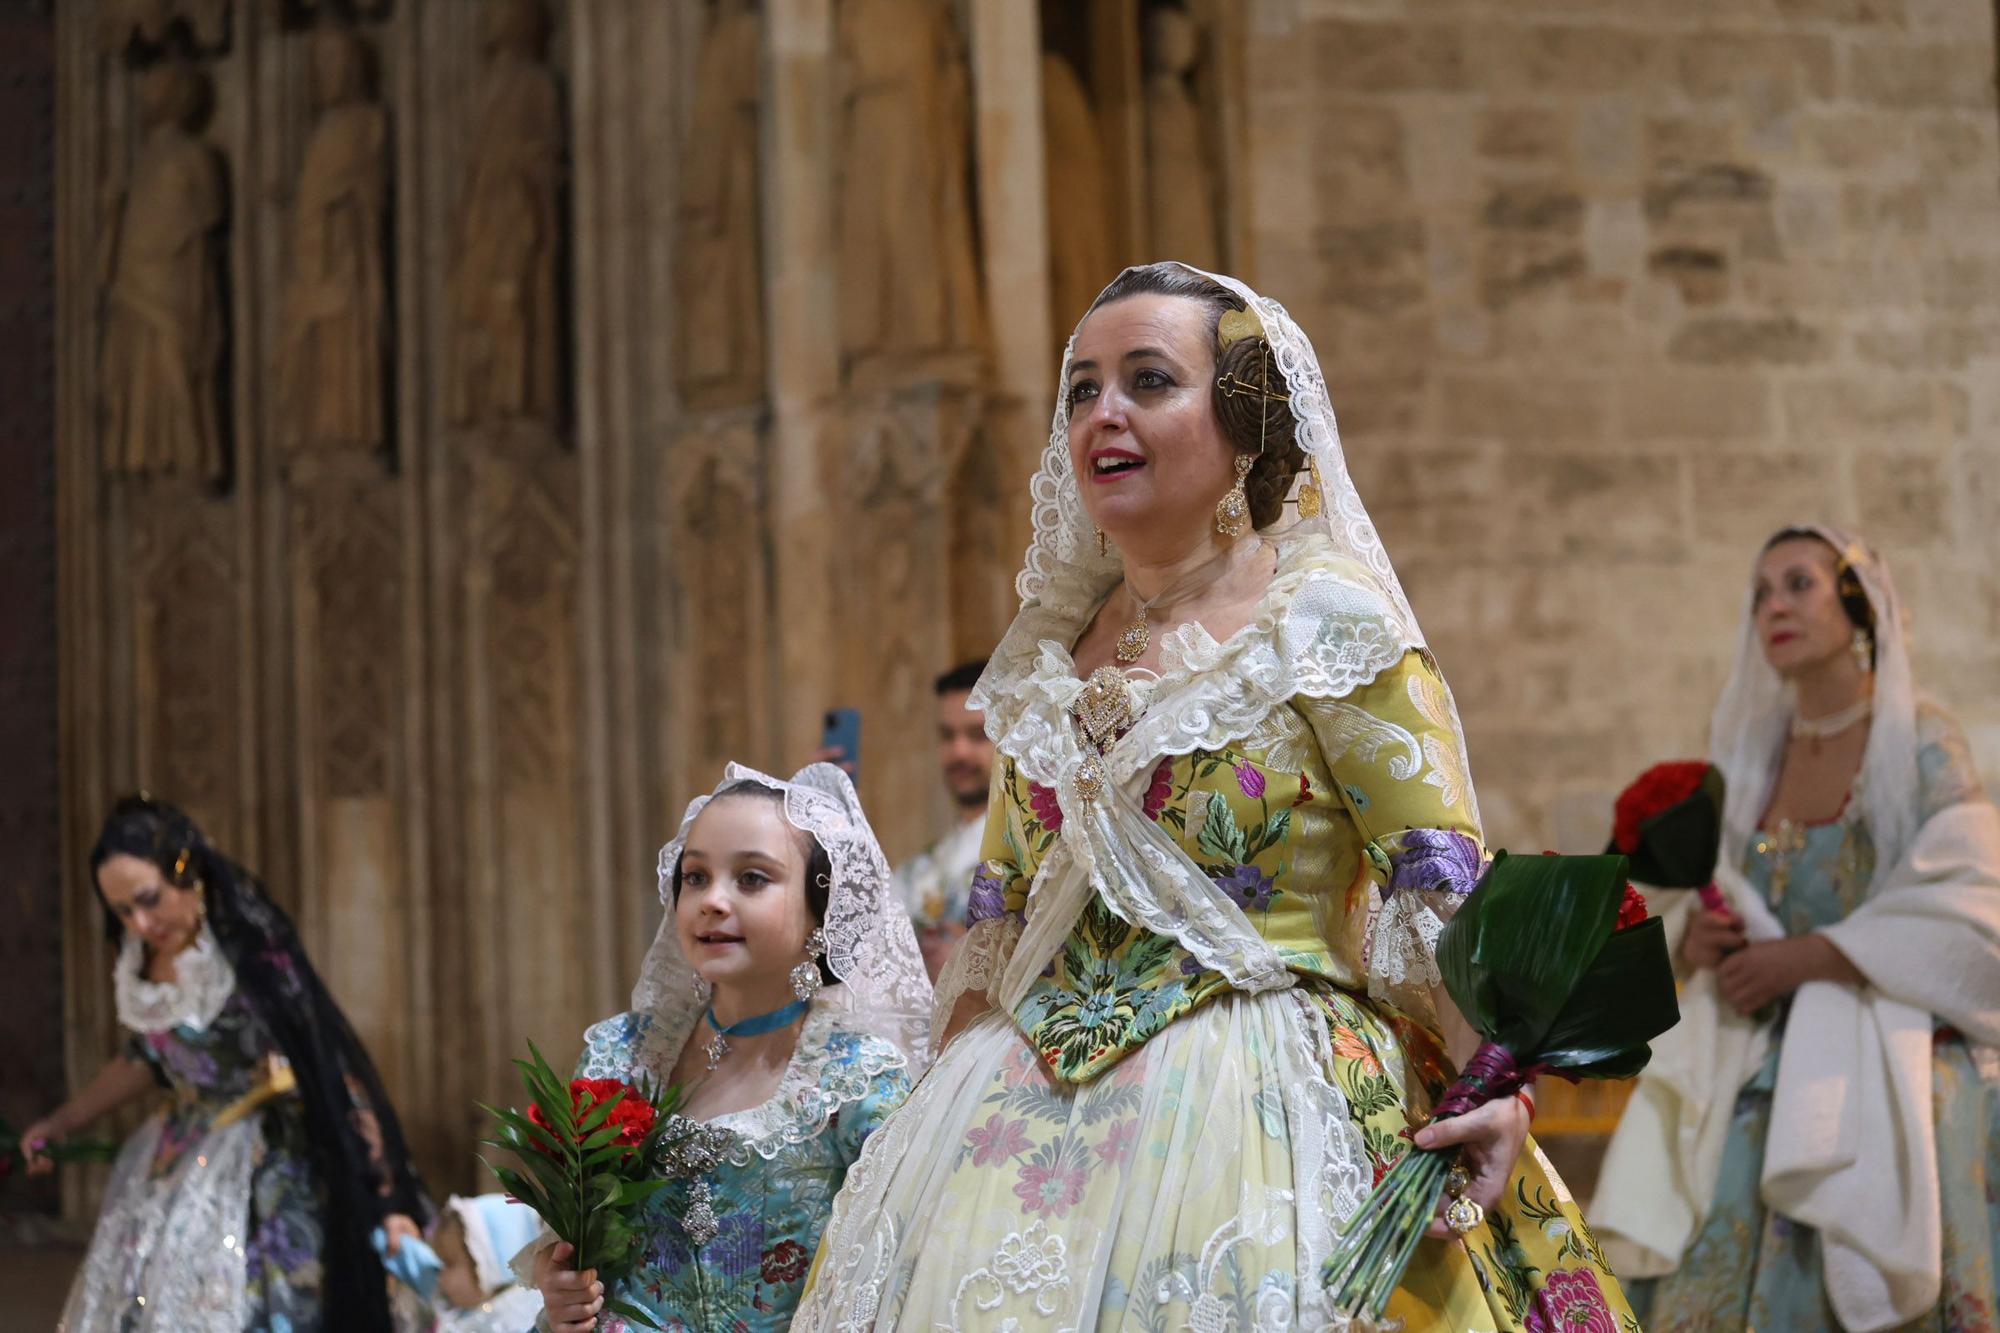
<point>1749,1268</point>
<point>784,1162</point>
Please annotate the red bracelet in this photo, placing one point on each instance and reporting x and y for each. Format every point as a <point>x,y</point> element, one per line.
<point>1527,1097</point>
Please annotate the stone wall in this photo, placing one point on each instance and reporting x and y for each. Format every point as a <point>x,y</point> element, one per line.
<point>1608,292</point>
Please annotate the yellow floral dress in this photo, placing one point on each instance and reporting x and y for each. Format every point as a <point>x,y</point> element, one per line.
<point>1140,1140</point>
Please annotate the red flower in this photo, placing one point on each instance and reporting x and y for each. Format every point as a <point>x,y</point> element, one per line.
<point>632,1114</point>
<point>1659,788</point>
<point>1631,909</point>
<point>785,1262</point>
<point>1161,788</point>
<point>1305,790</point>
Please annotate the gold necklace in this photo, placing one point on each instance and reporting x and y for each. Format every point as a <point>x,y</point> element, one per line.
<point>1137,637</point>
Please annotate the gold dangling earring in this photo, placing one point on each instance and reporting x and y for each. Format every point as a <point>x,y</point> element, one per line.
<point>1863,649</point>
<point>1232,512</point>
<point>1312,497</point>
<point>1102,548</point>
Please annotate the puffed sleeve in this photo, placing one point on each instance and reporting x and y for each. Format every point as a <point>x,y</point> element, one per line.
<point>1946,774</point>
<point>887,1084</point>
<point>1400,770</point>
<point>997,902</point>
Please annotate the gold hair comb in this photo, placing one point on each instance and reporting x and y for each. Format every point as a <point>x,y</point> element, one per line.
<point>1236,325</point>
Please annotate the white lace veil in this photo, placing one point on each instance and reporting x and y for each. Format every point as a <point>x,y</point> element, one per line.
<point>1753,718</point>
<point>1063,569</point>
<point>870,946</point>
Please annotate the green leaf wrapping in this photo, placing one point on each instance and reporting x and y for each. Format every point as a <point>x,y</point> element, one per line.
<point>1534,961</point>
<point>1523,938</point>
<point>1621,1003</point>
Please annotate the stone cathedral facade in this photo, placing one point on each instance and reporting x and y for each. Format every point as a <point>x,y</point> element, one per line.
<point>479,419</point>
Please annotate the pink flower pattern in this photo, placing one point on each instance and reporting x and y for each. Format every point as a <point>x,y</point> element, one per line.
<point>1047,808</point>
<point>1160,790</point>
<point>997,1140</point>
<point>1249,780</point>
<point>1049,1189</point>
<point>1570,1302</point>
<point>1118,1142</point>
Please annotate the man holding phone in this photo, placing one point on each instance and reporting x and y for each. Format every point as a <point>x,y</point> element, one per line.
<point>935,882</point>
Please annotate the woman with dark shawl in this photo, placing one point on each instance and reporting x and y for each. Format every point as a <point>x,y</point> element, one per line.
<point>250,1200</point>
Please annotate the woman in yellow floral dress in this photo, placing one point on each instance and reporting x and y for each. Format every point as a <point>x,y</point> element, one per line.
<point>1197,1016</point>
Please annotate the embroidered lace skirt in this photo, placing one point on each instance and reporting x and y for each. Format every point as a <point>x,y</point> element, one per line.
<point>1196,1184</point>
<point>204,1231</point>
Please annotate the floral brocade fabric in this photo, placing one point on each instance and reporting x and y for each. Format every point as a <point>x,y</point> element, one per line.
<point>1296,825</point>
<point>772,1194</point>
<point>1213,989</point>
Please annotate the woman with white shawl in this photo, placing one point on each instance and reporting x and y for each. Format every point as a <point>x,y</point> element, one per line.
<point>1817,1144</point>
<point>1197,1012</point>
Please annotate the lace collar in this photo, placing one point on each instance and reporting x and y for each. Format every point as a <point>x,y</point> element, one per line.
<point>203,982</point>
<point>1322,628</point>
<point>833,1064</point>
<point>829,1068</point>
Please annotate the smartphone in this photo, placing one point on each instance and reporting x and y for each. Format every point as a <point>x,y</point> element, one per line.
<point>843,733</point>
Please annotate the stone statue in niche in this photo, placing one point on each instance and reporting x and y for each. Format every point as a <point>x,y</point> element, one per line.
<point>1081,258</point>
<point>122,22</point>
<point>721,361</point>
<point>504,347</point>
<point>337,318</point>
<point>909,277</point>
<point>1180,172</point>
<point>165,325</point>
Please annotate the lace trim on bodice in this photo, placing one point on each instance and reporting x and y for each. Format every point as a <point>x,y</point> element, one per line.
<point>832,1067</point>
<point>203,982</point>
<point>1322,629</point>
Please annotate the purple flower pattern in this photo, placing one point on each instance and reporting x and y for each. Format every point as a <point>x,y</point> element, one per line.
<point>1442,859</point>
<point>1248,887</point>
<point>988,898</point>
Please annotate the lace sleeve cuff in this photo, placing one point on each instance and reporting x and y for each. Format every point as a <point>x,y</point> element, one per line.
<point>975,965</point>
<point>1429,873</point>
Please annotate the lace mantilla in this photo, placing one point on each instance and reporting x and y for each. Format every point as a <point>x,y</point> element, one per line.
<point>1753,717</point>
<point>1062,569</point>
<point>203,982</point>
<point>870,945</point>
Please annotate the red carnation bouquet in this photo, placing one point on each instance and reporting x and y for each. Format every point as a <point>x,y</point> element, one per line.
<point>1668,824</point>
<point>1554,961</point>
<point>586,1152</point>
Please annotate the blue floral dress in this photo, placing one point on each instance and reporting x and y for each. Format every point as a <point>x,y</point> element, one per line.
<point>1750,1268</point>
<point>770,1196</point>
<point>214,1217</point>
